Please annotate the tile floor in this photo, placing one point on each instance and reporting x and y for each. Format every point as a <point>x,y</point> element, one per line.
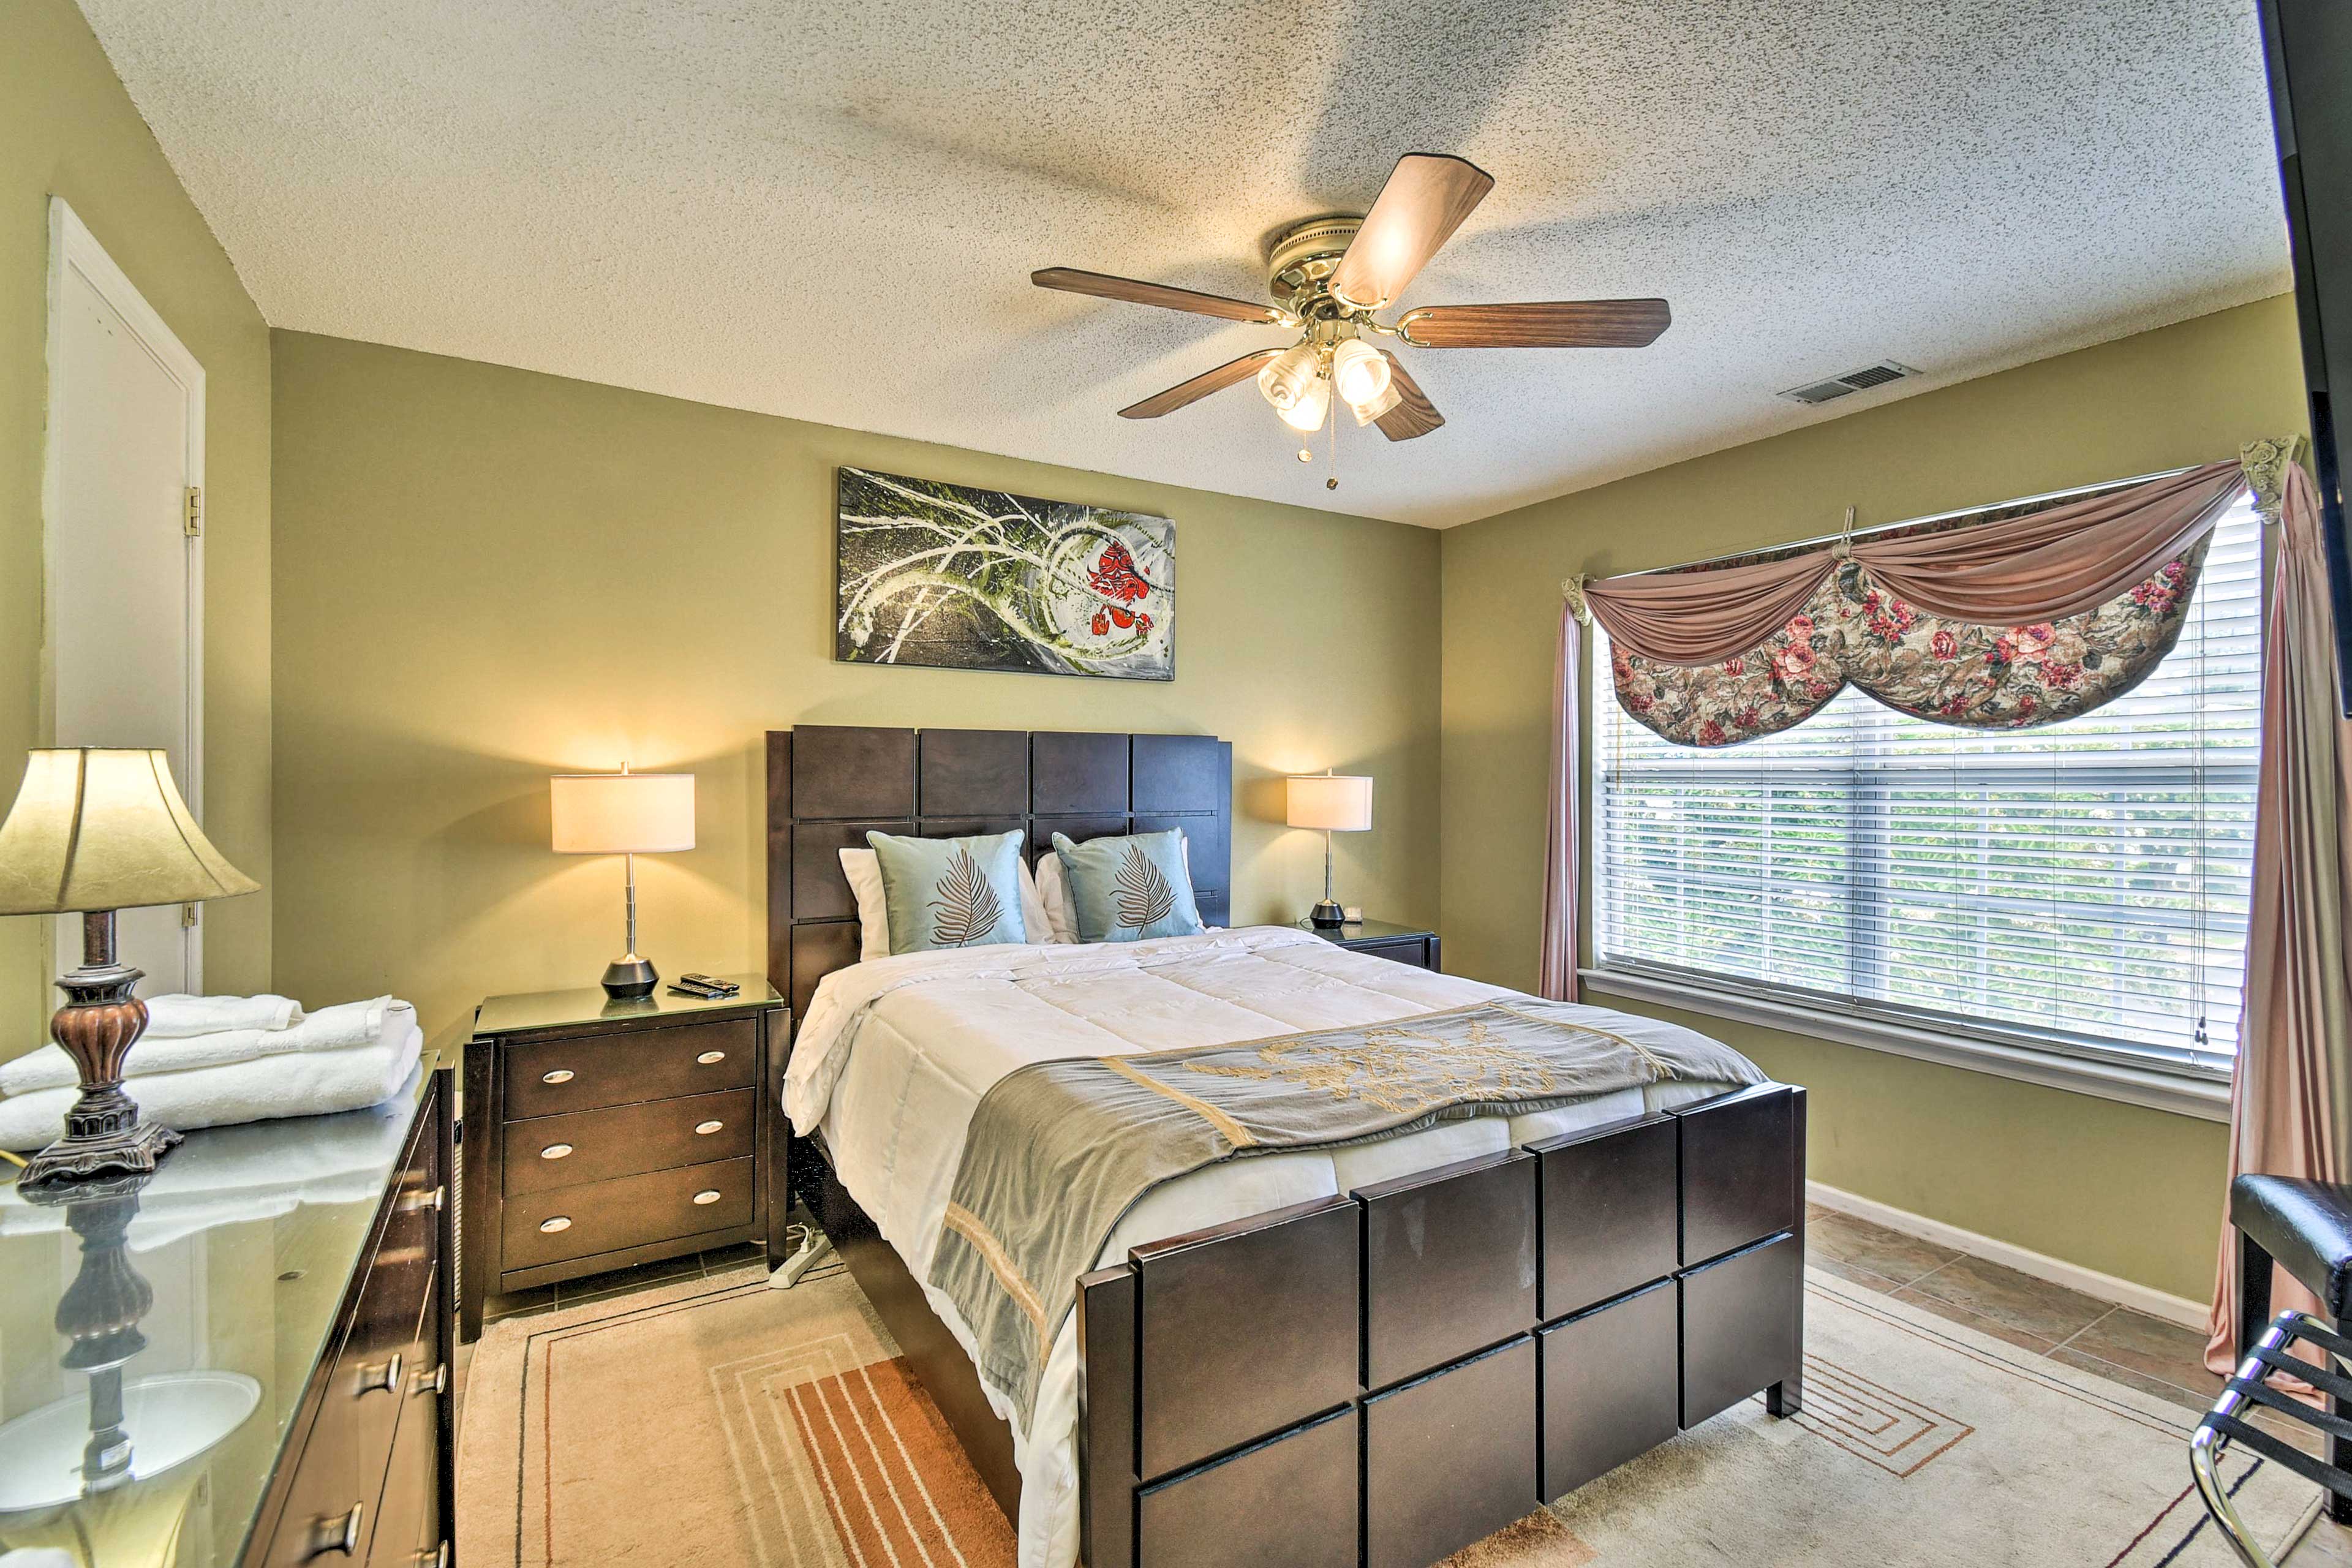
<point>2083,1331</point>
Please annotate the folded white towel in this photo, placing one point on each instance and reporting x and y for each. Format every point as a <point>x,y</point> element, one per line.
<point>173,1016</point>
<point>299,1083</point>
<point>329,1028</point>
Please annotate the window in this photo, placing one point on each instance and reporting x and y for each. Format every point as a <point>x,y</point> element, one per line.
<point>2082,888</point>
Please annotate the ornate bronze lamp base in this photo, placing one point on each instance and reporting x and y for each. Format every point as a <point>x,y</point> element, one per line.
<point>100,1022</point>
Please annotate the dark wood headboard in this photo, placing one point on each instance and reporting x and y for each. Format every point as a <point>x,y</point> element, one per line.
<point>828,784</point>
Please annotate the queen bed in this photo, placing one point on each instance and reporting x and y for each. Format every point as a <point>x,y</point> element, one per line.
<point>1372,1348</point>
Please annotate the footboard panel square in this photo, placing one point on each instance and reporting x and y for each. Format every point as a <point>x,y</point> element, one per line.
<point>1449,1263</point>
<point>1610,1387</point>
<point>1451,1459</point>
<point>1742,1326</point>
<point>1245,1329</point>
<point>1293,1499</point>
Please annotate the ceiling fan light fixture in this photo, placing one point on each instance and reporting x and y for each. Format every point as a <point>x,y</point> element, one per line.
<point>1359,373</point>
<point>1390,396</point>
<point>1306,414</point>
<point>1284,380</point>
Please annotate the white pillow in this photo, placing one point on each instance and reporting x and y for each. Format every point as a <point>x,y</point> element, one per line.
<point>1054,886</point>
<point>864,869</point>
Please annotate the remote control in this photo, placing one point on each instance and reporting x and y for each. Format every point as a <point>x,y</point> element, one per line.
<point>699,993</point>
<point>712,983</point>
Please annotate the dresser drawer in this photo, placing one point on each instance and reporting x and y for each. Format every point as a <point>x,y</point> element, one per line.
<point>624,1140</point>
<point>564,1223</point>
<point>337,1489</point>
<point>547,1078</point>
<point>408,1527</point>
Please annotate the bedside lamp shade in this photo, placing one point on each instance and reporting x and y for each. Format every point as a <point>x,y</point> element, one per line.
<point>97,829</point>
<point>1335,803</point>
<point>622,813</point>
<point>94,831</point>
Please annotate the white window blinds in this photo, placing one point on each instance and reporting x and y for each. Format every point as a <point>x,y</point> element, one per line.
<point>2083,886</point>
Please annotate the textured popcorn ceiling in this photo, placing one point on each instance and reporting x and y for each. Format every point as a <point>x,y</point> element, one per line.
<point>830,209</point>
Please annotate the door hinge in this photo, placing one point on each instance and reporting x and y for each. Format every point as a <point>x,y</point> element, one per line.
<point>187,916</point>
<point>195,516</point>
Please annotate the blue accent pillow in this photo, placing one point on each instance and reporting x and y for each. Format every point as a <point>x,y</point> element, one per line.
<point>950,892</point>
<point>1124,890</point>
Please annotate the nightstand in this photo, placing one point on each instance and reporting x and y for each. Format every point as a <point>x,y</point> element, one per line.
<point>601,1133</point>
<point>1416,945</point>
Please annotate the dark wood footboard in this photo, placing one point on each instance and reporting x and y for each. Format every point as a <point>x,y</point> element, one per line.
<point>1383,1377</point>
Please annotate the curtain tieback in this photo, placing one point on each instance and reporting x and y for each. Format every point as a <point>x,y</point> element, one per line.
<point>1572,590</point>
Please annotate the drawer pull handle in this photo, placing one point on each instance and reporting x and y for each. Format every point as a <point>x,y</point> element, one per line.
<point>708,1058</point>
<point>343,1537</point>
<point>388,1379</point>
<point>560,1075</point>
<point>437,1200</point>
<point>555,1151</point>
<point>434,1382</point>
<point>561,1222</point>
<point>433,1556</point>
<point>708,1196</point>
<point>705,1129</point>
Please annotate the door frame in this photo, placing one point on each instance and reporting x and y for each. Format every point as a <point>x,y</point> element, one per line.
<point>75,251</point>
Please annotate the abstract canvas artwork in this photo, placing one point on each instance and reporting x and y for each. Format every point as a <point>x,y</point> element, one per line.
<point>957,578</point>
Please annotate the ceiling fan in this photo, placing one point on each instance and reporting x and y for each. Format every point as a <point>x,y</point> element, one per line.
<point>1328,276</point>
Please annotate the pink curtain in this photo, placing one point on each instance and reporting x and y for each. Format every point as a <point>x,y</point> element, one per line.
<point>1557,971</point>
<point>2046,565</point>
<point>2289,1089</point>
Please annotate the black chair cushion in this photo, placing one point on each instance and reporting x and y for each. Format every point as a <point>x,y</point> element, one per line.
<point>2305,1225</point>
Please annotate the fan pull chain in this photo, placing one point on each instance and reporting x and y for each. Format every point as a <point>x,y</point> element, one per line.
<point>1333,482</point>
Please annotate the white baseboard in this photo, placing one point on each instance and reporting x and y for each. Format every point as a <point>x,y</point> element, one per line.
<point>2057,1270</point>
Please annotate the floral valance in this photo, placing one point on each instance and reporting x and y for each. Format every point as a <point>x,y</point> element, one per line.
<point>2026,620</point>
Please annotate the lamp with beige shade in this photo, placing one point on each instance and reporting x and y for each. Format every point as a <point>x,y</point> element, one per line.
<point>94,831</point>
<point>629,814</point>
<point>1335,803</point>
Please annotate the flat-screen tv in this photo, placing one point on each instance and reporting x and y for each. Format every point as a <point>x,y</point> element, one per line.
<point>2308,45</point>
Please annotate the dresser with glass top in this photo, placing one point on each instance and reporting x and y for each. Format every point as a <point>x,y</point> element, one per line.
<point>243,1361</point>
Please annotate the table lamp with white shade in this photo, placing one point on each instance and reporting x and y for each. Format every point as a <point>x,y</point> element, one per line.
<point>630,814</point>
<point>1335,803</point>
<point>94,831</point>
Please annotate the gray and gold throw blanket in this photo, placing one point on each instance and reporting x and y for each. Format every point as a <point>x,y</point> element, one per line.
<point>1058,1152</point>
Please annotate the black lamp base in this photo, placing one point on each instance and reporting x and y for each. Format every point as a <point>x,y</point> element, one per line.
<point>1327,916</point>
<point>630,976</point>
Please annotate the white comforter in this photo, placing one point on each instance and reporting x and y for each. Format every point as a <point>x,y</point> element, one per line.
<point>894,1054</point>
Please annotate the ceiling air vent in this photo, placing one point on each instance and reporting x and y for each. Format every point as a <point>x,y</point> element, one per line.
<point>1861,380</point>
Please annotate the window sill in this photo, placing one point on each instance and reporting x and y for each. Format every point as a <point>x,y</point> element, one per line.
<point>2206,1099</point>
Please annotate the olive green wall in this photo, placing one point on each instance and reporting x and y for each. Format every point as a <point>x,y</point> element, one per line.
<point>2130,1192</point>
<point>486,575</point>
<point>67,128</point>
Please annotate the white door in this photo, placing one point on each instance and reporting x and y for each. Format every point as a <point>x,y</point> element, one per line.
<point>125,452</point>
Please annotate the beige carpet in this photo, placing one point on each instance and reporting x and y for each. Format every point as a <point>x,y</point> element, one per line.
<point>716,1422</point>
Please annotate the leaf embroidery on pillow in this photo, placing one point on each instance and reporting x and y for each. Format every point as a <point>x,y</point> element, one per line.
<point>1141,894</point>
<point>965,908</point>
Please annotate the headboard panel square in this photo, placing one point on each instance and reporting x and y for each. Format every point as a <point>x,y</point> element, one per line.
<point>1074,776</point>
<point>828,784</point>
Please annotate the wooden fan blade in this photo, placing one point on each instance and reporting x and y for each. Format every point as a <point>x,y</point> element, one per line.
<point>1200,386</point>
<point>1415,415</point>
<point>1103,286</point>
<point>1425,200</point>
<point>1560,324</point>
